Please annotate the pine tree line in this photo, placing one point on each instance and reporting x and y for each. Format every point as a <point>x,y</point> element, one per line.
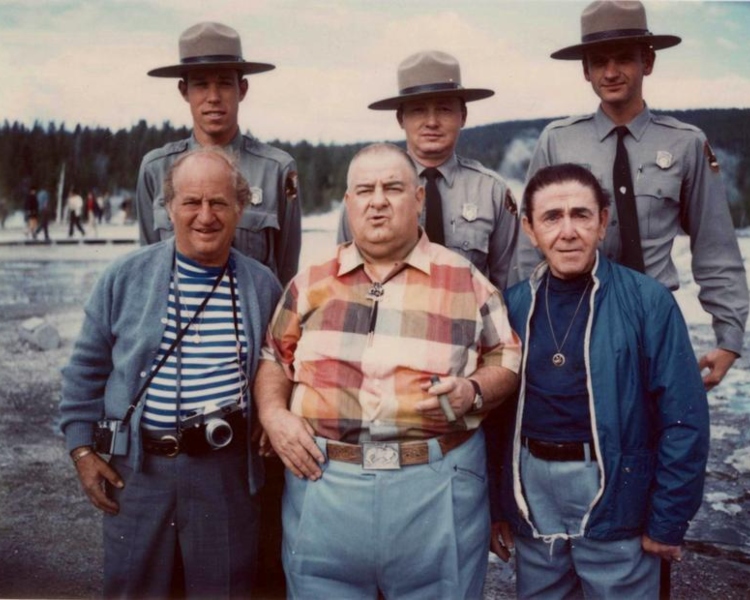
<point>96,159</point>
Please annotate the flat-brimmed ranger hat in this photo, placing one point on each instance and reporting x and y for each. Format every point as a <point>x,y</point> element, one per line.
<point>427,75</point>
<point>210,46</point>
<point>618,21</point>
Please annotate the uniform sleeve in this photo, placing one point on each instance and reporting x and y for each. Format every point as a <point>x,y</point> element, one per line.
<point>716,260</point>
<point>504,236</point>
<point>527,256</point>
<point>675,384</point>
<point>290,222</point>
<point>144,198</point>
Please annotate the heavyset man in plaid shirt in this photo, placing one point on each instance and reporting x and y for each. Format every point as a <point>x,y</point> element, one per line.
<point>378,368</point>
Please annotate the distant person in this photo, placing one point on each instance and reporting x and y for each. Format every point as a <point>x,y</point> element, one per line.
<point>75,212</point>
<point>469,208</point>
<point>662,173</point>
<point>92,210</point>
<point>212,81</point>
<point>386,492</point>
<point>45,210</point>
<point>3,212</point>
<point>168,351</point>
<point>107,208</point>
<point>612,429</point>
<point>31,213</point>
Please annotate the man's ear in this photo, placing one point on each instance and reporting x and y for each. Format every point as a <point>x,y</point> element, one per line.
<point>649,58</point>
<point>182,86</point>
<point>585,66</point>
<point>528,230</point>
<point>243,88</point>
<point>605,221</point>
<point>420,195</point>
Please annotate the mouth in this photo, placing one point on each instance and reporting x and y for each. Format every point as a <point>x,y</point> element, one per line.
<point>214,114</point>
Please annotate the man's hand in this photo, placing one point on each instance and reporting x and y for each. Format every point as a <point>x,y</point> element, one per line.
<point>293,439</point>
<point>501,540</point>
<point>668,553</point>
<point>460,394</point>
<point>93,473</point>
<point>718,362</point>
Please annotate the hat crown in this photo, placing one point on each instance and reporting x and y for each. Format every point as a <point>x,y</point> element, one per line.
<point>210,39</point>
<point>428,69</point>
<point>604,16</point>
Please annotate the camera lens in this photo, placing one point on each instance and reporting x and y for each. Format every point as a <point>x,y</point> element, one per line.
<point>218,433</point>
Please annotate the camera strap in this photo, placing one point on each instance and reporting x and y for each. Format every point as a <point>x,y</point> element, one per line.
<point>170,350</point>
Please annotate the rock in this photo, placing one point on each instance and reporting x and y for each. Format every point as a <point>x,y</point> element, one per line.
<point>40,333</point>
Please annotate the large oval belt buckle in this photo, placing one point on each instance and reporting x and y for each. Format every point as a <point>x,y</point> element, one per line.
<point>176,450</point>
<point>380,455</point>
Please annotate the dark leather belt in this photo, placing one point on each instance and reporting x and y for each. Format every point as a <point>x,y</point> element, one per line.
<point>559,451</point>
<point>408,453</point>
<point>192,442</point>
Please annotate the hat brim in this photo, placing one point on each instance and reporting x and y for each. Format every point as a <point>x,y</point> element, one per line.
<point>246,68</point>
<point>577,52</point>
<point>468,95</point>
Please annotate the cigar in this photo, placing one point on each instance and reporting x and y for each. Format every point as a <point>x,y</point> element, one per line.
<point>445,404</point>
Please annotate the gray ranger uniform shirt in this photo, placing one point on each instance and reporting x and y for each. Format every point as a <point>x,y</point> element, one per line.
<point>479,216</point>
<point>270,228</point>
<point>678,188</point>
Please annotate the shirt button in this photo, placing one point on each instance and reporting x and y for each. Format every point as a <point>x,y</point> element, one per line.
<point>143,373</point>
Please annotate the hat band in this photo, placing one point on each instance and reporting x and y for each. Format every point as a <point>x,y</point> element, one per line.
<point>614,33</point>
<point>211,58</point>
<point>431,87</point>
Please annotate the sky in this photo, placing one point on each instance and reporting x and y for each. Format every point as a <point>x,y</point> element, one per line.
<point>85,61</point>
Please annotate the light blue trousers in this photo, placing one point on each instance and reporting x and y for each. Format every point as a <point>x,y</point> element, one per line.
<point>420,532</point>
<point>558,495</point>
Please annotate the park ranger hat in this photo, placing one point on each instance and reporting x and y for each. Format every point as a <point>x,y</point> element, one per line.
<point>427,75</point>
<point>618,21</point>
<point>210,45</point>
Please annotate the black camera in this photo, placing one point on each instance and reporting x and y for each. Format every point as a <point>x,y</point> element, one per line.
<point>112,436</point>
<point>213,427</point>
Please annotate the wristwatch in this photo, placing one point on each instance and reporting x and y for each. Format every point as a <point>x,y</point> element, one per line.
<point>478,398</point>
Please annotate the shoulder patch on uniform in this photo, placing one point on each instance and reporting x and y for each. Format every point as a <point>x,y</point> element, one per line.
<point>510,203</point>
<point>290,185</point>
<point>713,162</point>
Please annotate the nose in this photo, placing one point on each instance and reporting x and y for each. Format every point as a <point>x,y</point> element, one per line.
<point>212,94</point>
<point>378,198</point>
<point>610,69</point>
<point>567,230</point>
<point>205,214</point>
<point>431,118</point>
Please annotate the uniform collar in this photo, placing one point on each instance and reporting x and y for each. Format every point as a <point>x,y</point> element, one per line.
<point>448,169</point>
<point>350,258</point>
<point>234,145</point>
<point>605,126</point>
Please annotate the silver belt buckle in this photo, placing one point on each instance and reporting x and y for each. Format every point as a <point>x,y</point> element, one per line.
<point>379,456</point>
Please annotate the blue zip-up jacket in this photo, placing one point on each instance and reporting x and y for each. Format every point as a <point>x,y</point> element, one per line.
<point>125,319</point>
<point>649,411</point>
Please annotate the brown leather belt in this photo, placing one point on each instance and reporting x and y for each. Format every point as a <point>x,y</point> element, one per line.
<point>559,451</point>
<point>409,453</point>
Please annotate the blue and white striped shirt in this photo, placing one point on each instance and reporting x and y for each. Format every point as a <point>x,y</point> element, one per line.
<point>213,367</point>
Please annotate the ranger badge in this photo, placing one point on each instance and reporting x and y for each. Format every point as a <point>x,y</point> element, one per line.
<point>470,212</point>
<point>256,196</point>
<point>663,159</point>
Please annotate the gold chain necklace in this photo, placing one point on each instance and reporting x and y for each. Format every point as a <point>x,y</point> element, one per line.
<point>558,358</point>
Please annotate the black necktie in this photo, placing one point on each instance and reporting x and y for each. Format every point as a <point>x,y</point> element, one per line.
<point>631,254</point>
<point>434,216</point>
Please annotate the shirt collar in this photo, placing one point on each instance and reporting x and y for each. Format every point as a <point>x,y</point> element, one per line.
<point>605,126</point>
<point>448,169</point>
<point>235,144</point>
<point>350,258</point>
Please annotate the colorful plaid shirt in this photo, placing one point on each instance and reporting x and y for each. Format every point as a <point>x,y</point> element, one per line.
<point>359,351</point>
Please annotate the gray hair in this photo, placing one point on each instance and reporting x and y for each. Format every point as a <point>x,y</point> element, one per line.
<point>383,148</point>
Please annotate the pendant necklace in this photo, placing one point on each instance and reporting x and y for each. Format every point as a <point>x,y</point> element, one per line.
<point>558,358</point>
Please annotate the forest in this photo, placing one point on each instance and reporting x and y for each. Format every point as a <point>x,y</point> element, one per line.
<point>105,161</point>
